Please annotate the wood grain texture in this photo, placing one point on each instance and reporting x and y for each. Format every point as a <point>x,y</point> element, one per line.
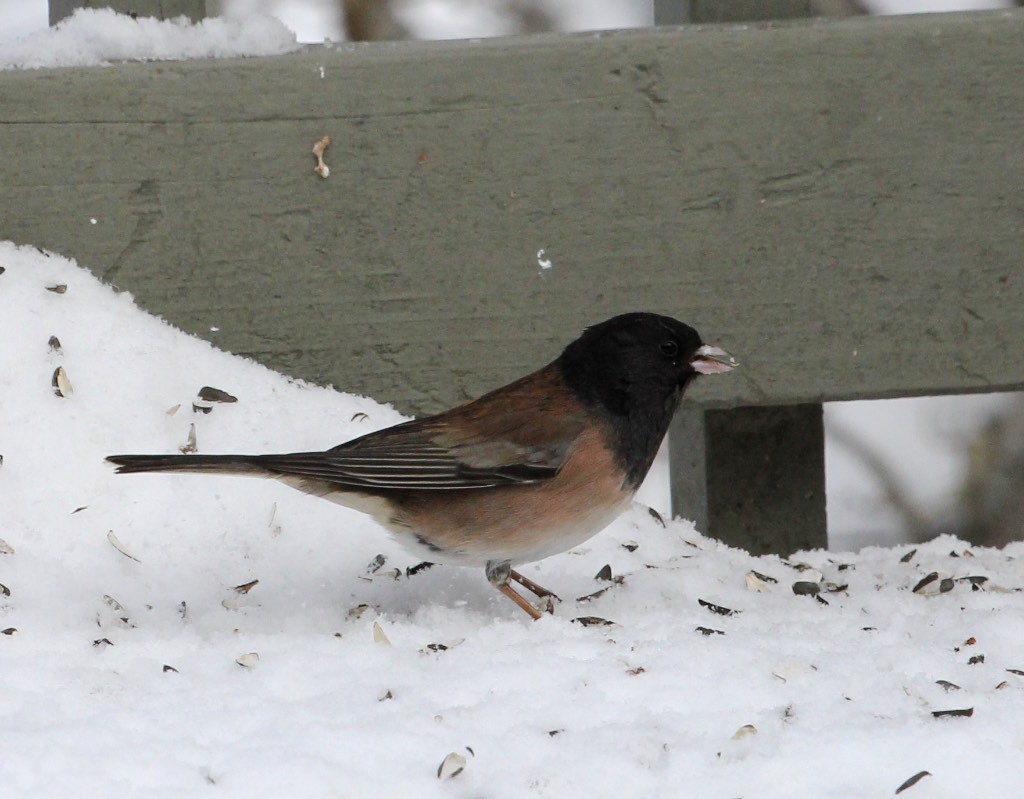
<point>839,203</point>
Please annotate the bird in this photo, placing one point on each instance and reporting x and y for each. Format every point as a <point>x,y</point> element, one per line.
<point>526,471</point>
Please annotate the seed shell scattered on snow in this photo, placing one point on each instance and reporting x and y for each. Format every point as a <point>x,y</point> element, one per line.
<point>102,642</point>
<point>758,582</point>
<point>248,660</point>
<point>116,544</point>
<point>932,585</point>
<point>190,445</point>
<point>755,583</point>
<point>375,564</point>
<point>5,548</point>
<point>910,783</point>
<point>709,631</point>
<point>411,570</point>
<point>211,394</point>
<point>54,344</point>
<point>906,559</point>
<point>9,631</point>
<point>719,609</point>
<point>452,765</point>
<point>966,712</point>
<point>593,621</point>
<point>4,590</point>
<point>605,573</point>
<point>379,635</point>
<point>442,647</point>
<point>358,610</point>
<point>948,686</point>
<point>630,546</point>
<point>61,384</point>
<point>245,588</point>
<point>60,288</point>
<point>806,588</point>
<point>744,732</point>
<point>168,668</point>
<point>594,595</point>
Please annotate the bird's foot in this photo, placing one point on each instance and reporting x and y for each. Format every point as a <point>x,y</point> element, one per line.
<point>500,576</point>
<point>534,588</point>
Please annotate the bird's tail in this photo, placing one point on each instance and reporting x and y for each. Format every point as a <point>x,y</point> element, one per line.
<point>224,464</point>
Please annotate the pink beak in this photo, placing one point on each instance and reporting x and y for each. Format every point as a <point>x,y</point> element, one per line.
<point>711,360</point>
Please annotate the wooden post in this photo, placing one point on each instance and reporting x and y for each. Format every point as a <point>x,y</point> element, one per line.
<point>752,477</point>
<point>195,10</point>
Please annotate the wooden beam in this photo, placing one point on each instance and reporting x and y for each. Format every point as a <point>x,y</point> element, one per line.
<point>835,201</point>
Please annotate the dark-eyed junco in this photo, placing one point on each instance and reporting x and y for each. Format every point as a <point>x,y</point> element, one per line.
<point>529,470</point>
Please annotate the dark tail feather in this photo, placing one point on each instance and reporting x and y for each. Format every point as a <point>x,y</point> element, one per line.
<point>224,464</point>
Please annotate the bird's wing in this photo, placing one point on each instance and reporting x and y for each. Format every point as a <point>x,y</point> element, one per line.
<point>431,454</point>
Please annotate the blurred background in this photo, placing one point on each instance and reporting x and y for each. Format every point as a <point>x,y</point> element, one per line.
<point>897,470</point>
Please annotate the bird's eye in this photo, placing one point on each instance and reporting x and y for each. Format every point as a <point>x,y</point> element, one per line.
<point>669,349</point>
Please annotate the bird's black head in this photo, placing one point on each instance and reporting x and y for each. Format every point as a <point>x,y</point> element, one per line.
<point>633,369</point>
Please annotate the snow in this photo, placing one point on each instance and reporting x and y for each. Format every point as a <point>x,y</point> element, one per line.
<point>93,37</point>
<point>840,695</point>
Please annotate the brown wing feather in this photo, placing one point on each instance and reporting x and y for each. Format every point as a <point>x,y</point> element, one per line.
<point>499,439</point>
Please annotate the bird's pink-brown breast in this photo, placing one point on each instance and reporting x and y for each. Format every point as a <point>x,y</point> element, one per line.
<point>523,523</point>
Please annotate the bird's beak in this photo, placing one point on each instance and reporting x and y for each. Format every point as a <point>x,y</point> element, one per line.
<point>710,360</point>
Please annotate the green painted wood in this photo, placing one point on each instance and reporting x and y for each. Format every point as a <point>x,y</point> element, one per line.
<point>865,226</point>
<point>161,9</point>
<point>837,202</point>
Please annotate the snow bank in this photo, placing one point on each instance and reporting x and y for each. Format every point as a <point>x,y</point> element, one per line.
<point>93,37</point>
<point>127,608</point>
